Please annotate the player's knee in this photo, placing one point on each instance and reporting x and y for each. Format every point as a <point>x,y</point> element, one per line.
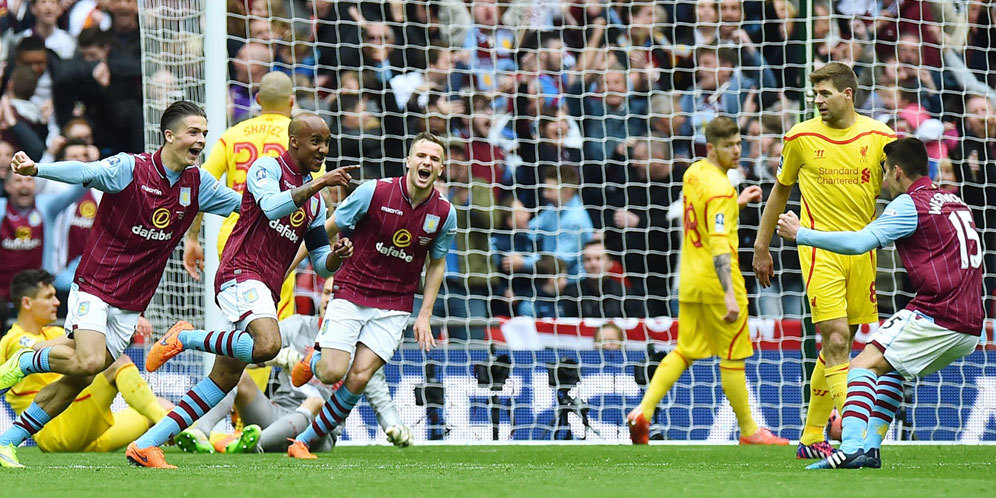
<point>837,341</point>
<point>265,348</point>
<point>329,373</point>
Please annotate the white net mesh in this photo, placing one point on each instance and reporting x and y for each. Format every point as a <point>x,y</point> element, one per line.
<point>614,96</point>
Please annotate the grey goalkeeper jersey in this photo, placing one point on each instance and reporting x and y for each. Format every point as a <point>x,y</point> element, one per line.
<point>298,332</point>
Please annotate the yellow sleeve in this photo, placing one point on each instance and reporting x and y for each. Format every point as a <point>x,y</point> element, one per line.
<point>721,211</point>
<point>11,344</point>
<point>790,162</point>
<point>217,163</point>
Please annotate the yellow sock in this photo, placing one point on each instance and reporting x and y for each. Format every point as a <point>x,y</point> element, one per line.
<point>671,367</point>
<point>734,381</point>
<point>137,393</point>
<point>820,405</point>
<point>837,380</point>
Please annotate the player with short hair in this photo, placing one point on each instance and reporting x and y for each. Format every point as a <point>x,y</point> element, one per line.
<point>837,160</point>
<point>149,202</point>
<point>712,316</point>
<point>939,244</point>
<point>282,209</point>
<point>396,223</point>
<point>88,424</point>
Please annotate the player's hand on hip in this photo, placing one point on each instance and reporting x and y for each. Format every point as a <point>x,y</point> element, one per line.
<point>340,176</point>
<point>423,333</point>
<point>732,308</point>
<point>763,267</point>
<point>343,248</point>
<point>193,258</point>
<point>23,165</point>
<point>750,194</point>
<point>788,226</point>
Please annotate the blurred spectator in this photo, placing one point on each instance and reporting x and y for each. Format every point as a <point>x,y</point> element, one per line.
<point>609,337</point>
<point>510,238</point>
<point>72,237</point>
<point>608,117</point>
<point>597,294</point>
<point>560,228</point>
<point>469,270</point>
<point>6,155</point>
<point>356,143</point>
<point>639,230</point>
<point>720,89</point>
<point>549,283</point>
<point>46,14</point>
<point>251,63</point>
<point>977,174</point>
<point>491,46</point>
<point>27,229</point>
<point>487,159</point>
<point>23,121</point>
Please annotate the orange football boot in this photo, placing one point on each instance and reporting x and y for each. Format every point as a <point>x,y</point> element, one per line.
<point>300,450</point>
<point>639,426</point>
<point>151,457</point>
<point>301,373</point>
<point>764,436</point>
<point>166,348</point>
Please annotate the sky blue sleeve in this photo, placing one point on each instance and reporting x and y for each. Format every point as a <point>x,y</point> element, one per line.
<point>51,205</point>
<point>317,242</point>
<point>351,210</point>
<point>263,183</point>
<point>897,221</point>
<point>444,241</point>
<point>111,174</point>
<point>215,198</point>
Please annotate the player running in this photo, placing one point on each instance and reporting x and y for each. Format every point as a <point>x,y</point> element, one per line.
<point>149,202</point>
<point>290,409</point>
<point>88,424</point>
<point>395,223</point>
<point>937,240</point>
<point>836,158</point>
<point>712,318</point>
<point>282,208</point>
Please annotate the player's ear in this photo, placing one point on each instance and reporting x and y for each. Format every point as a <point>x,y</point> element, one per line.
<point>168,135</point>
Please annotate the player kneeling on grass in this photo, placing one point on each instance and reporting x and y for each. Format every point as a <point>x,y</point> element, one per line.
<point>712,318</point>
<point>937,240</point>
<point>271,421</point>
<point>88,424</point>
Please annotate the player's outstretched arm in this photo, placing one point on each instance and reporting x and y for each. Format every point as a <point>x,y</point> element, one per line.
<point>763,265</point>
<point>109,175</point>
<point>338,177</point>
<point>897,221</point>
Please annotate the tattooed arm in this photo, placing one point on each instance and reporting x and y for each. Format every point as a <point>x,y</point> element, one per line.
<point>724,271</point>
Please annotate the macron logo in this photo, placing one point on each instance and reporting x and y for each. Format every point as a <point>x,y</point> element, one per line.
<point>152,190</point>
<point>392,210</point>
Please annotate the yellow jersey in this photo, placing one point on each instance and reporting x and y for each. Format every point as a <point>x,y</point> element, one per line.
<point>711,218</point>
<point>23,393</point>
<point>839,171</point>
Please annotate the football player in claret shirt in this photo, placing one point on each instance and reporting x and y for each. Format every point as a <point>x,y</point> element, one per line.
<point>936,238</point>
<point>399,226</point>
<point>281,208</point>
<point>712,316</point>
<point>837,160</point>
<point>149,202</point>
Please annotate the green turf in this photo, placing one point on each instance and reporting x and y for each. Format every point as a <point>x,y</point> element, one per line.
<point>546,471</point>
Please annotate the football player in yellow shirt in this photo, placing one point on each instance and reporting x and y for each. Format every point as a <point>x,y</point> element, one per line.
<point>712,316</point>
<point>837,160</point>
<point>88,424</point>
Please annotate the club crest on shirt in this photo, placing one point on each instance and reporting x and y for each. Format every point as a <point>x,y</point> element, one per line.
<point>83,308</point>
<point>431,223</point>
<point>314,205</point>
<point>34,219</point>
<point>26,341</point>
<point>184,196</point>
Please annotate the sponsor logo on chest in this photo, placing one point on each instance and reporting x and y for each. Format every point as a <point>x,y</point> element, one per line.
<point>161,219</point>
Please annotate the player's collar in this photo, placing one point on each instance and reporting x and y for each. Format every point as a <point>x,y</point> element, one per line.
<point>921,183</point>
<point>157,161</point>
<point>288,162</point>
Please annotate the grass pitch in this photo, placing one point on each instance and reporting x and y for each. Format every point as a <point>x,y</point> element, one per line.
<point>546,471</point>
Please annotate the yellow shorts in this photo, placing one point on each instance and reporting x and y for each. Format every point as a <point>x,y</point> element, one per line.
<point>840,286</point>
<point>285,308</point>
<point>83,422</point>
<point>703,333</point>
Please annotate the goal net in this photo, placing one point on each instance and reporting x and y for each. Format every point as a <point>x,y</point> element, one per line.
<point>540,100</point>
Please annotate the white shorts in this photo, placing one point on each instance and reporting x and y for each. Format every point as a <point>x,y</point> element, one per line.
<point>89,312</point>
<point>346,324</point>
<point>243,302</point>
<point>916,347</point>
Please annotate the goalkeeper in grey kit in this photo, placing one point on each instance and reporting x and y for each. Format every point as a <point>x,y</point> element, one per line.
<point>269,422</point>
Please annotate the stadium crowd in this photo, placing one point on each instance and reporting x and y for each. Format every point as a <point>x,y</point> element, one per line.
<point>569,123</point>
